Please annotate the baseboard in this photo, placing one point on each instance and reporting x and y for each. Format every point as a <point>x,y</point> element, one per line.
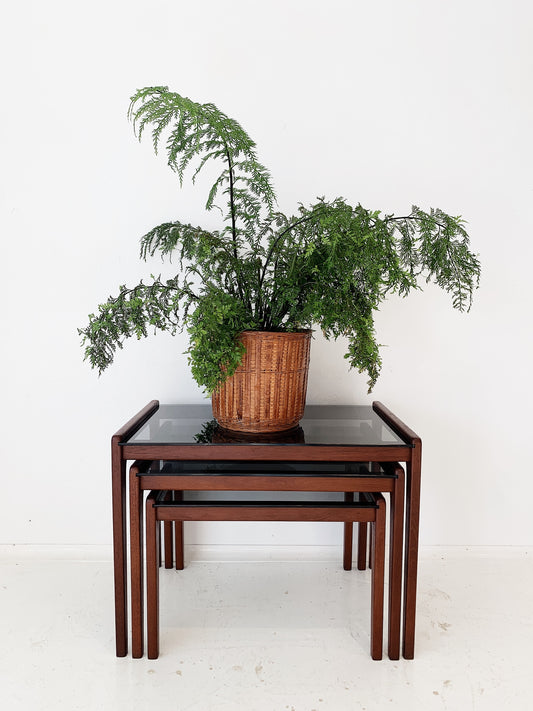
<point>244,553</point>
<point>198,552</point>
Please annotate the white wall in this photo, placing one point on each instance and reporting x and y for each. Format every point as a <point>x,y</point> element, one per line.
<point>387,103</point>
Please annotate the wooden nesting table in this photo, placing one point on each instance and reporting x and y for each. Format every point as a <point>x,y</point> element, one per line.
<point>320,455</point>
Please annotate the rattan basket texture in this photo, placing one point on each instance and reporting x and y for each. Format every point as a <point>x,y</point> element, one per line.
<point>267,391</point>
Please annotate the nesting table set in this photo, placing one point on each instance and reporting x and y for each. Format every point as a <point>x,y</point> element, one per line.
<point>338,457</point>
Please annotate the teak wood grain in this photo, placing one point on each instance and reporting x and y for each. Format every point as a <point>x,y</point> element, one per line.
<point>410,453</point>
<point>267,452</point>
<point>390,481</point>
<point>118,494</point>
<point>264,483</point>
<point>376,515</point>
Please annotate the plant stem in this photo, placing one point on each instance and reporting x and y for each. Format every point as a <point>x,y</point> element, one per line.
<point>234,225</point>
<point>301,221</point>
<point>232,204</point>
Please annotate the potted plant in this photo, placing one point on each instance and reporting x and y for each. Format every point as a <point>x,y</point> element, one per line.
<point>262,272</point>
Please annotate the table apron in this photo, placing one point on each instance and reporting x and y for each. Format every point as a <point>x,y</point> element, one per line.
<point>257,452</point>
<point>265,513</point>
<point>175,482</point>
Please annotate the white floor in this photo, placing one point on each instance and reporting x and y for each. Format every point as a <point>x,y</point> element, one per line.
<point>279,631</point>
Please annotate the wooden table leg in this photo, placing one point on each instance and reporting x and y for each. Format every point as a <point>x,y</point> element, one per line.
<point>395,561</point>
<point>348,545</point>
<point>118,492</point>
<point>378,574</point>
<point>137,560</point>
<point>412,516</point>
<point>178,536</point>
<point>348,536</point>
<point>152,578</point>
<point>178,544</point>
<point>169,538</point>
<point>362,545</point>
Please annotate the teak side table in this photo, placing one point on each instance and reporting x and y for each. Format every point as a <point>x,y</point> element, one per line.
<point>300,506</point>
<point>277,480</point>
<point>329,441</point>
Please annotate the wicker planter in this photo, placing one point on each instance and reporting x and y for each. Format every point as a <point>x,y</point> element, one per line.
<point>267,391</point>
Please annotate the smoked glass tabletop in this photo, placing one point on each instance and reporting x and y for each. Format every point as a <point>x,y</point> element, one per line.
<point>344,425</point>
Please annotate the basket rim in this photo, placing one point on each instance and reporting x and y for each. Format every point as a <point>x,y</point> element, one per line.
<point>301,332</point>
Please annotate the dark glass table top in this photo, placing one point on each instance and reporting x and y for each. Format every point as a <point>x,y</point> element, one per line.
<point>341,425</point>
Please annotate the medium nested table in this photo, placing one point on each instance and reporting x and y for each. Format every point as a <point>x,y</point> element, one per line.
<point>321,454</point>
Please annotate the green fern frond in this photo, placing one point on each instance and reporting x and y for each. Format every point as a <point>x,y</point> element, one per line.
<point>134,312</point>
<point>201,131</point>
<point>331,264</point>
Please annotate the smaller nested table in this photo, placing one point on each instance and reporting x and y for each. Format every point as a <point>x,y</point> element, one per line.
<point>322,454</point>
<point>265,506</point>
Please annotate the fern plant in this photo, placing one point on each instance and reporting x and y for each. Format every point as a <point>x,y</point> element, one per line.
<point>330,264</point>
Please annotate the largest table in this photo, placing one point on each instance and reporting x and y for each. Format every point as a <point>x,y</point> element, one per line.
<point>348,434</point>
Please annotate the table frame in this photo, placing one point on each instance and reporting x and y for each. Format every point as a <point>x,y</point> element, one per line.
<point>374,514</point>
<point>390,481</point>
<point>410,453</point>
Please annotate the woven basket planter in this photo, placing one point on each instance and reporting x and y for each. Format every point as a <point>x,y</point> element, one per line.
<point>267,391</point>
